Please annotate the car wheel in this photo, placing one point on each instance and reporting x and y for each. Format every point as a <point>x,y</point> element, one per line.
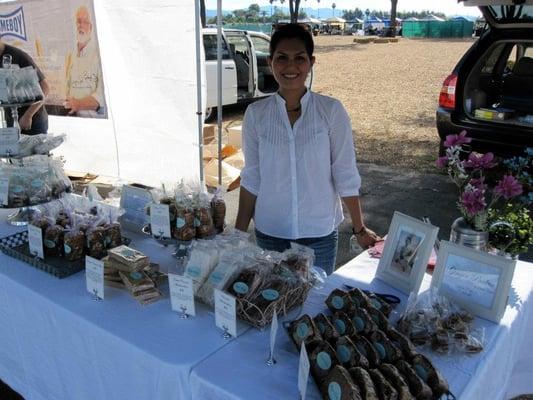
<point>210,113</point>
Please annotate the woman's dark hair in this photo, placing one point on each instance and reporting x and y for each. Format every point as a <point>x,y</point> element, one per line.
<point>292,31</point>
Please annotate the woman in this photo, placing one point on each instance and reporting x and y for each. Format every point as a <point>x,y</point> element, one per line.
<point>299,160</point>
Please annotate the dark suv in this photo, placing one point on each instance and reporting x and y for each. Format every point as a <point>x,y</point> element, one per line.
<point>490,91</point>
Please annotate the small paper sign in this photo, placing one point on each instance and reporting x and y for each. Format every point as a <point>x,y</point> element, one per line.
<point>4,191</point>
<point>160,220</point>
<point>35,239</point>
<point>273,333</point>
<point>303,372</point>
<point>9,141</point>
<point>181,294</point>
<point>225,312</point>
<point>94,275</point>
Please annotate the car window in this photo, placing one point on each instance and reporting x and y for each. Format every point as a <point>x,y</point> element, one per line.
<point>239,45</point>
<point>210,48</point>
<point>492,59</point>
<point>507,14</point>
<point>262,46</point>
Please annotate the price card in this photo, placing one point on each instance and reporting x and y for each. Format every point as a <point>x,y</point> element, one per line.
<point>9,141</point>
<point>94,275</point>
<point>303,372</point>
<point>225,312</point>
<point>160,220</point>
<point>4,191</point>
<point>35,239</point>
<point>181,294</point>
<point>273,333</point>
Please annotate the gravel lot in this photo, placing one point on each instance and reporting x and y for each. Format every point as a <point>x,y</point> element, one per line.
<point>390,91</point>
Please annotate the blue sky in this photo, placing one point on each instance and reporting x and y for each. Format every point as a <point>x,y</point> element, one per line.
<point>449,7</point>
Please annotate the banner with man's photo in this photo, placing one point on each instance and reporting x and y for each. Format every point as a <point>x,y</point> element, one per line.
<point>60,36</point>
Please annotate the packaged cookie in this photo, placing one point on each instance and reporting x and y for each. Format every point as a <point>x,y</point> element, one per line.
<point>339,300</point>
<point>362,321</point>
<point>366,349</point>
<point>218,209</point>
<point>246,283</point>
<point>362,379</point>
<point>388,352</point>
<point>96,247</point>
<point>401,342</point>
<point>53,241</point>
<point>322,359</point>
<point>391,373</point>
<point>384,388</point>
<point>184,228</point>
<point>339,385</point>
<point>417,386</point>
<point>133,259</point>
<point>137,281</point>
<point>203,222</point>
<point>74,245</point>
<point>304,330</point>
<point>429,374</point>
<point>326,328</point>
<point>348,354</point>
<point>113,235</point>
<point>343,324</point>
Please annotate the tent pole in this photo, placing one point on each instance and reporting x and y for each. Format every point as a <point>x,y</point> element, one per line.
<point>199,109</point>
<point>219,88</point>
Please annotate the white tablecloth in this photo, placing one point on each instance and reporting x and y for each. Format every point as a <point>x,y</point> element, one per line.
<point>57,343</point>
<point>238,371</point>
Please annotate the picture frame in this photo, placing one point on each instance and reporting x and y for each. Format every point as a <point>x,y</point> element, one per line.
<point>406,252</point>
<point>476,280</point>
<point>134,200</point>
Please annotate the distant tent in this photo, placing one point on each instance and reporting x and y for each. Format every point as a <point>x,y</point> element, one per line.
<point>337,20</point>
<point>431,17</point>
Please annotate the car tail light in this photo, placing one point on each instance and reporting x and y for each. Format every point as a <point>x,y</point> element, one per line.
<point>447,93</point>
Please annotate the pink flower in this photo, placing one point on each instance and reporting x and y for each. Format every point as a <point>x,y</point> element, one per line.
<point>473,201</point>
<point>480,161</point>
<point>457,140</point>
<point>508,187</point>
<point>478,183</point>
<point>442,162</point>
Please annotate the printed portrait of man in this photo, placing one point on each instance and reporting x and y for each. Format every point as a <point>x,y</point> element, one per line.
<point>85,88</point>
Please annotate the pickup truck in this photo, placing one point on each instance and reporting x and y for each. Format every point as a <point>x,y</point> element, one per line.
<point>245,72</point>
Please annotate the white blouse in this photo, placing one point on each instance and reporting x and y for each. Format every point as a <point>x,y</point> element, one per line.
<point>299,173</point>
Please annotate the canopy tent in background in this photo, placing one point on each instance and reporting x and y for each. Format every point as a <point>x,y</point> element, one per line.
<point>148,56</point>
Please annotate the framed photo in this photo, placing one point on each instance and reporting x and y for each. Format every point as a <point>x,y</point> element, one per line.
<point>477,281</point>
<point>134,200</point>
<point>406,252</point>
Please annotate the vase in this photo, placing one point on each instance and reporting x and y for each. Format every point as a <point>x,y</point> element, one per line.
<point>464,234</point>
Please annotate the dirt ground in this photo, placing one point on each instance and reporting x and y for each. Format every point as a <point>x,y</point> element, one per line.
<point>390,91</point>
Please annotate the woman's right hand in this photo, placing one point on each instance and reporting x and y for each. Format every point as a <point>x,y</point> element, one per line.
<point>367,238</point>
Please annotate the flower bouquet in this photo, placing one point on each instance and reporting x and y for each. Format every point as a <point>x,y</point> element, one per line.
<point>492,191</point>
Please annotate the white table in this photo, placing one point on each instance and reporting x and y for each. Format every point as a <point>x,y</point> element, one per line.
<point>57,343</point>
<point>238,371</point>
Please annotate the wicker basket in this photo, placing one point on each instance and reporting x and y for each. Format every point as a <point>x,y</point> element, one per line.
<point>251,313</point>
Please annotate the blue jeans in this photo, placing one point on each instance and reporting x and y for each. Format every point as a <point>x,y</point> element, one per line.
<point>325,247</point>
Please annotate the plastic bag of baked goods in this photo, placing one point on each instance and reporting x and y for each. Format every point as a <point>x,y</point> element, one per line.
<point>202,260</point>
<point>434,321</point>
<point>228,266</point>
<point>249,280</point>
<point>74,239</point>
<point>218,209</point>
<point>203,221</point>
<point>184,228</point>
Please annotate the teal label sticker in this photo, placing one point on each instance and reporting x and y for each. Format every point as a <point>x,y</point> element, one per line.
<point>37,183</point>
<point>127,253</point>
<point>196,222</point>
<point>341,326</point>
<point>216,278</point>
<point>180,222</point>
<point>302,330</point>
<point>193,271</point>
<point>107,240</point>
<point>334,391</point>
<point>359,324</point>
<point>421,372</point>
<point>321,327</point>
<point>337,302</point>
<point>381,350</point>
<point>68,249</point>
<point>136,275</point>
<point>361,349</point>
<point>270,294</point>
<point>344,353</point>
<point>376,303</point>
<point>49,243</point>
<point>240,287</point>
<point>17,189</point>
<point>323,360</point>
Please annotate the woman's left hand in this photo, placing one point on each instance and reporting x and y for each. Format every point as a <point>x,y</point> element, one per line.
<point>367,238</point>
<point>25,122</point>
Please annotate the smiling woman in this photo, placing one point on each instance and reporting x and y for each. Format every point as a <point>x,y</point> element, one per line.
<point>299,159</point>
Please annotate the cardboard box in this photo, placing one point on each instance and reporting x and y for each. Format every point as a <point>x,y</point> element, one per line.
<point>236,160</point>
<point>235,136</point>
<point>209,133</point>
<point>231,176</point>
